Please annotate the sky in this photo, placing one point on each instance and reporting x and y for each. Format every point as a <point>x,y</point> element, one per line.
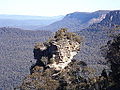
<point>55,7</point>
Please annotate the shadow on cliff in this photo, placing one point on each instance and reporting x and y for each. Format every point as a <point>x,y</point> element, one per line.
<point>39,54</point>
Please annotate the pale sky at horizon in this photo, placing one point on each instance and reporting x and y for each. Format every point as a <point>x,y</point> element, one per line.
<point>55,7</point>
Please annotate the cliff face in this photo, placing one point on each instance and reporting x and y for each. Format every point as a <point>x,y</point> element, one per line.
<point>111,21</point>
<point>86,17</point>
<point>66,49</point>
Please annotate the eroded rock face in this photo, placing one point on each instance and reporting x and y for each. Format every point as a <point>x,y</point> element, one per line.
<point>60,50</point>
<point>66,49</point>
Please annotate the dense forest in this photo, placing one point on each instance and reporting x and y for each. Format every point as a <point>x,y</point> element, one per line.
<point>16,54</point>
<point>99,52</point>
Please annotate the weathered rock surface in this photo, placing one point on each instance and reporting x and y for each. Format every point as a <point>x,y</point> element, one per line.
<point>60,50</point>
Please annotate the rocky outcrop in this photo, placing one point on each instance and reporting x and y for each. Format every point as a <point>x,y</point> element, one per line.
<point>59,51</point>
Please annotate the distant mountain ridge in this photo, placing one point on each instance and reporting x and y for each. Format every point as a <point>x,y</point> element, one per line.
<point>77,20</point>
<point>26,21</point>
<point>85,16</point>
<point>28,17</point>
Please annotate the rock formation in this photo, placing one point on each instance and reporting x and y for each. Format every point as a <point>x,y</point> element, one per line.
<point>59,51</point>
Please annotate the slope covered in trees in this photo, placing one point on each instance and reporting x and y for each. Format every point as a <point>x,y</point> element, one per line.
<point>16,54</point>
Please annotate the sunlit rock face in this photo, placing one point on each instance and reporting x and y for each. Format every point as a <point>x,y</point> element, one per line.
<point>60,50</point>
<point>66,49</point>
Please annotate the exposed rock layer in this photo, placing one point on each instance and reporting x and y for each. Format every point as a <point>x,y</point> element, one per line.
<point>60,50</point>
